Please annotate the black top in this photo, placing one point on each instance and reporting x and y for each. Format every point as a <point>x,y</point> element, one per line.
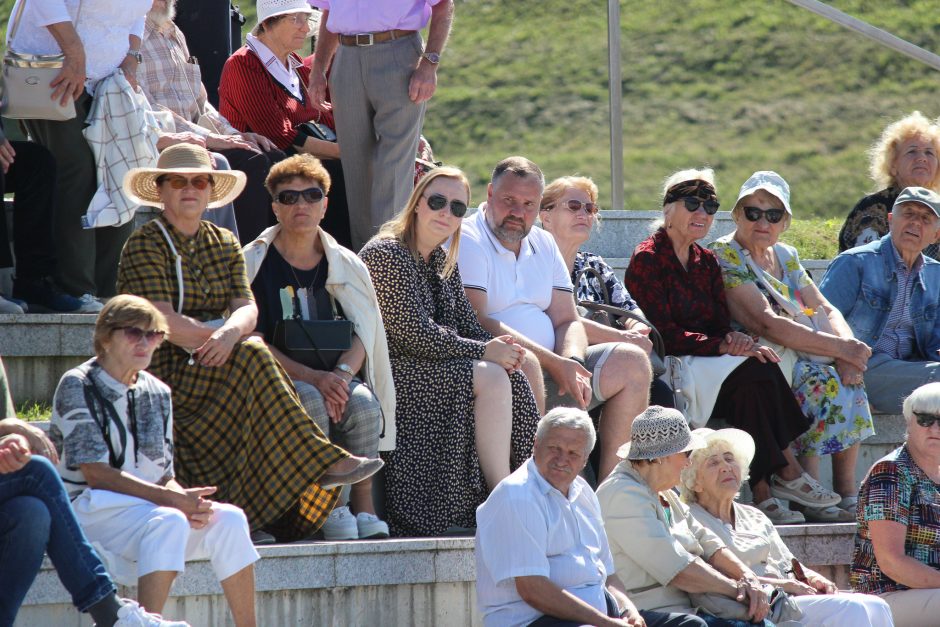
<point>275,274</point>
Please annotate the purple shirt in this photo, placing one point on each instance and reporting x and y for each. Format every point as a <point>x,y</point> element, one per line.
<point>348,17</point>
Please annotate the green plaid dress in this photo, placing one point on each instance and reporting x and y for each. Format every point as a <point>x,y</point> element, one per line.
<point>240,426</point>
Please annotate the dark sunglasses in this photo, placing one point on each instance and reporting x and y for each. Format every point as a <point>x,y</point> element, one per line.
<point>753,214</point>
<point>291,196</point>
<point>136,334</point>
<point>926,420</point>
<point>692,204</point>
<point>574,206</point>
<point>181,182</point>
<point>438,201</point>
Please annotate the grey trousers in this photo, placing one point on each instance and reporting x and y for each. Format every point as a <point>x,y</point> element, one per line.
<point>87,258</point>
<point>889,381</point>
<point>358,431</point>
<point>377,127</point>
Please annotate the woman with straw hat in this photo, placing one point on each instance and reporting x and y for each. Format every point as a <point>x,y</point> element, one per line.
<point>238,423</point>
<point>661,553</point>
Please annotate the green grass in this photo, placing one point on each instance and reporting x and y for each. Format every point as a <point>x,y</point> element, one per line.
<point>739,86</point>
<point>31,411</point>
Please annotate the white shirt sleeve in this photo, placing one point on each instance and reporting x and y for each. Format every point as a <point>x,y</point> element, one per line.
<point>561,278</point>
<point>474,263</point>
<point>513,539</point>
<point>47,11</point>
<point>137,28</point>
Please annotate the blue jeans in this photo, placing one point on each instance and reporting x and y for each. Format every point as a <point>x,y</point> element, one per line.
<point>35,517</point>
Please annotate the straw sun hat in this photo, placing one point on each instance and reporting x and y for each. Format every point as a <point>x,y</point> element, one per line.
<point>140,184</point>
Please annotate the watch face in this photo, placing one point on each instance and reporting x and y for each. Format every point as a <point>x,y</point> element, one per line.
<point>433,57</point>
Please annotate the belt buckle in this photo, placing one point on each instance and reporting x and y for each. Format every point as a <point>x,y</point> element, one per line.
<point>370,40</point>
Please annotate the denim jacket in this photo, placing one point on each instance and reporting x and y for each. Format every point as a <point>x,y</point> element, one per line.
<point>862,283</point>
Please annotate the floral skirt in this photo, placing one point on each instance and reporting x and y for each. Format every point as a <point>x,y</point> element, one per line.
<point>840,413</point>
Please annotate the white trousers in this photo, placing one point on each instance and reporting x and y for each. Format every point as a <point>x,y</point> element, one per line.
<point>137,537</point>
<point>848,609</point>
<point>914,608</point>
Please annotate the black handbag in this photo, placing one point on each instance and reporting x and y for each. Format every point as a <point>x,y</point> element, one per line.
<point>611,316</point>
<point>317,344</point>
<point>317,130</point>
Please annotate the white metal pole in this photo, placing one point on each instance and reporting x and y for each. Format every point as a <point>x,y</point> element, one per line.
<point>616,104</point>
<point>864,28</point>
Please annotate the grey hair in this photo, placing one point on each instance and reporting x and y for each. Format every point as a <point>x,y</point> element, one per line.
<point>923,400</point>
<point>569,418</point>
<point>689,476</point>
<point>691,174</point>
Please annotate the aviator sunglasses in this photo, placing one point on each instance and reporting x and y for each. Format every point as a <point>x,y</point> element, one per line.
<point>136,334</point>
<point>574,206</point>
<point>926,420</point>
<point>180,182</point>
<point>291,196</point>
<point>692,204</point>
<point>753,214</point>
<point>438,201</point>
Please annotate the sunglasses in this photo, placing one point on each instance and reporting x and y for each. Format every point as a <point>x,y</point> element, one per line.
<point>574,206</point>
<point>753,214</point>
<point>181,182</point>
<point>692,204</point>
<point>291,196</point>
<point>438,201</point>
<point>926,420</point>
<point>136,334</point>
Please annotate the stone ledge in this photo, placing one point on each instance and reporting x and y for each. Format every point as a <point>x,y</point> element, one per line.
<point>46,335</point>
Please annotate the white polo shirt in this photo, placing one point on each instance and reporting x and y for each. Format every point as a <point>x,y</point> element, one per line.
<point>518,290</point>
<point>528,528</point>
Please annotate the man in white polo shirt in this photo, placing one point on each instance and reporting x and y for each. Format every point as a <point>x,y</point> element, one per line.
<point>519,285</point>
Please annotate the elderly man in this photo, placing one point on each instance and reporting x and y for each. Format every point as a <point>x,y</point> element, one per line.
<point>519,285</point>
<point>889,293</point>
<point>381,80</point>
<point>541,550</point>
<point>172,81</point>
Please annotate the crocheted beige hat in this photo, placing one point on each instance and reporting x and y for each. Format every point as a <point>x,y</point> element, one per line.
<point>140,184</point>
<point>658,432</point>
<point>271,8</point>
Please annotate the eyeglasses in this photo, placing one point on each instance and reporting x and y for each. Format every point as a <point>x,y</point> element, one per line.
<point>291,196</point>
<point>692,204</point>
<point>753,214</point>
<point>181,182</point>
<point>438,201</point>
<point>136,334</point>
<point>574,206</point>
<point>299,19</point>
<point>926,420</point>
<point>687,454</point>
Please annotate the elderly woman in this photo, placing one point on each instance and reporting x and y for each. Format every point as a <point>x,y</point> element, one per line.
<point>239,425</point>
<point>898,535</point>
<point>112,424</point>
<point>569,211</point>
<point>660,552</point>
<point>711,483</point>
<point>465,416</point>
<point>679,286</point>
<point>298,255</point>
<point>767,289</point>
<point>98,38</point>
<point>904,156</point>
<point>263,89</point>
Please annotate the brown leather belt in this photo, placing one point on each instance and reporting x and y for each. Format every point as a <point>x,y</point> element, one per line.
<point>370,39</point>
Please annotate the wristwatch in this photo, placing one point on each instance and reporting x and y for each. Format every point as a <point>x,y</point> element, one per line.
<point>345,368</point>
<point>432,57</point>
<point>136,54</point>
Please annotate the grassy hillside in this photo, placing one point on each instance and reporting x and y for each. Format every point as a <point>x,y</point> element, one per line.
<point>737,85</point>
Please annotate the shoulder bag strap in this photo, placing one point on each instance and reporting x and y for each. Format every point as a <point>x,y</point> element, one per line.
<point>587,272</point>
<point>179,265</point>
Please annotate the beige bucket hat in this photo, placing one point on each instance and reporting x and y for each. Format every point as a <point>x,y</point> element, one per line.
<point>140,184</point>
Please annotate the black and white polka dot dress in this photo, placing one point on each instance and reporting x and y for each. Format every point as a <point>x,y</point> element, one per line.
<point>433,477</point>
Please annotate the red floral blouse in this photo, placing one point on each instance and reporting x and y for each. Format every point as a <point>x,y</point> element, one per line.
<point>688,307</point>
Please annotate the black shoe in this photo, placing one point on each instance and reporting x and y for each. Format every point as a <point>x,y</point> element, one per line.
<point>43,295</point>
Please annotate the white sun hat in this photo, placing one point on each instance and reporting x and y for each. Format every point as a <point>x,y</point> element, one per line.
<point>272,8</point>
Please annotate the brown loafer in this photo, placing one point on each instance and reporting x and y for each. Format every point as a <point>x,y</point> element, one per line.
<point>365,469</point>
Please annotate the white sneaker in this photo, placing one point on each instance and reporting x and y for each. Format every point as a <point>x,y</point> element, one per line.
<point>133,615</point>
<point>340,525</point>
<point>7,306</point>
<point>370,526</point>
<point>90,304</point>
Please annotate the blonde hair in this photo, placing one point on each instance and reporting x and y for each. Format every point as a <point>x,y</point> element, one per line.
<point>126,310</point>
<point>297,167</point>
<point>403,226</point>
<point>715,444</point>
<point>556,189</point>
<point>884,151</point>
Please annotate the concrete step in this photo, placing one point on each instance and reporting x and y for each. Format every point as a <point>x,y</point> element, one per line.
<point>387,582</point>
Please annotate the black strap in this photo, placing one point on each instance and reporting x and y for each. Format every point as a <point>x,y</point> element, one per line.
<point>103,412</point>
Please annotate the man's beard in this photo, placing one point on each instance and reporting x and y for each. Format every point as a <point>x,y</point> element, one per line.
<point>166,15</point>
<point>509,235</point>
